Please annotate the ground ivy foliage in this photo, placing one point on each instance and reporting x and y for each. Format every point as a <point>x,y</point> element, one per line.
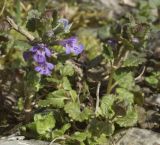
<point>62,105</point>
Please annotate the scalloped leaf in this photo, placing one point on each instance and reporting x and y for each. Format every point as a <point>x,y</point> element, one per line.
<point>80,136</point>
<point>106,106</point>
<point>134,60</point>
<point>124,80</point>
<point>66,84</point>
<point>74,111</point>
<point>44,123</point>
<point>125,95</point>
<point>99,127</point>
<point>54,99</point>
<point>153,79</point>
<point>67,70</point>
<point>59,132</point>
<point>128,120</point>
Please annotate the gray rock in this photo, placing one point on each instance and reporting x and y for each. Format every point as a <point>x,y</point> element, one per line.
<point>136,136</point>
<point>22,142</point>
<point>153,99</point>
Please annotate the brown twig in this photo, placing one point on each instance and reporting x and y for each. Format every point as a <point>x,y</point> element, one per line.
<point>97,94</point>
<point>20,29</point>
<point>141,74</point>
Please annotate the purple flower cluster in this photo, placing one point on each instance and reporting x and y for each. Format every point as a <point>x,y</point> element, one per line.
<point>39,54</point>
<point>72,46</point>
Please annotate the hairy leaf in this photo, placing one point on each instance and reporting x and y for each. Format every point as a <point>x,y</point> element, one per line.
<point>98,127</point>
<point>66,84</point>
<point>125,95</point>
<point>74,111</point>
<point>67,70</point>
<point>153,79</point>
<point>106,106</point>
<point>80,136</point>
<point>134,60</point>
<point>124,79</point>
<point>44,123</point>
<point>61,131</point>
<point>54,99</point>
<point>129,120</point>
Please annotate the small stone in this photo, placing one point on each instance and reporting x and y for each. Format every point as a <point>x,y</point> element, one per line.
<point>22,142</point>
<point>137,136</point>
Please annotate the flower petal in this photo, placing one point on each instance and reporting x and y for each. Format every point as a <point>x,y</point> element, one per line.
<point>77,49</point>
<point>34,48</point>
<point>50,66</point>
<point>39,58</point>
<point>38,68</point>
<point>47,52</point>
<point>68,49</point>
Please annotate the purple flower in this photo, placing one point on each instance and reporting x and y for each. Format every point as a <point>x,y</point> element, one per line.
<point>40,52</point>
<point>72,46</point>
<point>44,68</point>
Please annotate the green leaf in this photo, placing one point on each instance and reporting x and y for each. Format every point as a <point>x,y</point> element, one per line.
<point>129,120</point>
<point>33,81</point>
<point>134,60</point>
<point>124,80</point>
<point>67,70</point>
<point>102,140</point>
<point>66,84</point>
<point>127,44</point>
<point>53,80</point>
<point>73,110</point>
<point>44,123</point>
<point>125,95</point>
<point>32,24</point>
<point>106,106</point>
<point>21,45</point>
<point>74,95</point>
<point>33,20</point>
<point>153,79</point>
<point>54,17</point>
<point>60,132</point>
<point>98,127</point>
<point>108,52</point>
<point>80,136</point>
<point>54,99</point>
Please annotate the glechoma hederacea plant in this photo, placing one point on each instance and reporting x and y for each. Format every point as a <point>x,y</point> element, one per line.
<point>70,112</point>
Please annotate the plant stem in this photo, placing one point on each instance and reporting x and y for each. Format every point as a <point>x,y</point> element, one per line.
<point>28,107</point>
<point>97,94</point>
<point>115,65</point>
<point>110,80</point>
<point>20,29</point>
